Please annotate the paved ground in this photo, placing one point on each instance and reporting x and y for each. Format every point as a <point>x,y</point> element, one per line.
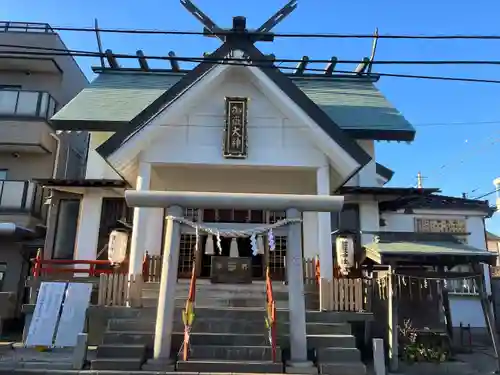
<point>16,356</point>
<point>480,362</point>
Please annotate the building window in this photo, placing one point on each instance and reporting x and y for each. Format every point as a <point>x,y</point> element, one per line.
<point>3,174</point>
<point>66,227</point>
<point>3,270</point>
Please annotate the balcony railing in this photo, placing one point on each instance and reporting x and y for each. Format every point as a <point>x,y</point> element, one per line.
<point>21,197</point>
<point>27,104</point>
<point>26,27</point>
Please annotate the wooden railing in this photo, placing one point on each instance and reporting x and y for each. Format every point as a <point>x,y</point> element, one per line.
<point>151,268</point>
<point>120,290</point>
<point>188,312</point>
<point>90,268</point>
<point>311,271</point>
<point>343,294</point>
<point>271,313</point>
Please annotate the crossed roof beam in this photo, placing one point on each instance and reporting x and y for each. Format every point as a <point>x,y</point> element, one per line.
<point>263,33</point>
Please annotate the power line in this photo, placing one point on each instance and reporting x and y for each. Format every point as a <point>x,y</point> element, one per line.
<point>26,27</point>
<point>325,61</point>
<point>276,60</point>
<point>455,162</point>
<point>430,124</point>
<point>8,54</point>
<point>489,193</point>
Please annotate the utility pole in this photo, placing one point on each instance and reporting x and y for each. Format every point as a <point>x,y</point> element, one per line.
<point>419,180</point>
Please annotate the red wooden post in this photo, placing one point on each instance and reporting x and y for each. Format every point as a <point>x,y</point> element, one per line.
<point>317,270</point>
<point>38,263</point>
<point>92,270</point>
<point>274,335</point>
<point>145,267</point>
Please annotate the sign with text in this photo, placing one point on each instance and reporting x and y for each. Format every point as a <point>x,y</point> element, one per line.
<point>227,270</point>
<point>74,313</point>
<point>46,315</point>
<point>235,134</point>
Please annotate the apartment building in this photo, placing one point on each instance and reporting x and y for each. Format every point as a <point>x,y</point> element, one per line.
<point>32,88</point>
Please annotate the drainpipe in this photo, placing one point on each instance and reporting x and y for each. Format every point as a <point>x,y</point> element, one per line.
<point>56,159</point>
<point>45,254</point>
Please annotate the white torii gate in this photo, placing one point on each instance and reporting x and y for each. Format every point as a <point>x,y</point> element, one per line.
<point>174,201</point>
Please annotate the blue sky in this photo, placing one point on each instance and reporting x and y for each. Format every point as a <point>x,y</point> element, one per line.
<point>457,155</point>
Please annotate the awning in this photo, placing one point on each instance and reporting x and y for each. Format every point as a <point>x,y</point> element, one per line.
<point>101,183</point>
<point>13,232</point>
<point>80,186</point>
<point>424,249</point>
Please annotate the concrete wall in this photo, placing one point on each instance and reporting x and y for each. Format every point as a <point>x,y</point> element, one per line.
<point>62,86</point>
<point>235,180</point>
<point>196,137</point>
<point>27,166</point>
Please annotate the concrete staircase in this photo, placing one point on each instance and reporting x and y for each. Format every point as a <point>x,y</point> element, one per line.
<point>228,334</point>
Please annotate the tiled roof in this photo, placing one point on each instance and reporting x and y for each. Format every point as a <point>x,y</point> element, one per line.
<point>355,104</point>
<point>116,96</point>
<point>410,244</point>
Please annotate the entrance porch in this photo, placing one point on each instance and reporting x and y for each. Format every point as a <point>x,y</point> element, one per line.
<point>148,223</point>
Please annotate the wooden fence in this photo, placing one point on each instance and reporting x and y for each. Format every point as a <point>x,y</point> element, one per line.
<point>118,290</point>
<point>310,272</point>
<point>342,294</point>
<point>339,294</point>
<point>151,268</point>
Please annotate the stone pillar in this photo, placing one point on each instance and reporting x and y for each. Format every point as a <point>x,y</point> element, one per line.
<point>89,220</point>
<point>324,225</point>
<point>310,234</point>
<point>156,219</point>
<point>140,223</point>
<point>298,340</point>
<point>166,300</point>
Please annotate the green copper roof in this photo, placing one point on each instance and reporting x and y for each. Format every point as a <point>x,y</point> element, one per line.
<point>116,97</point>
<point>355,104</point>
<point>414,245</point>
<point>424,248</point>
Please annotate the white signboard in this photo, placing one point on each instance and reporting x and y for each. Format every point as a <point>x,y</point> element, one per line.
<point>73,315</point>
<point>46,314</point>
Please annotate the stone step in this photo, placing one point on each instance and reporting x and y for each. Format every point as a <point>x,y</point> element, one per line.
<point>249,367</point>
<point>123,364</point>
<point>147,338</point>
<point>206,285</point>
<point>226,294</point>
<point>149,313</point>
<point>121,351</point>
<point>342,368</point>
<point>226,326</point>
<point>233,353</point>
<point>338,355</point>
<point>218,302</point>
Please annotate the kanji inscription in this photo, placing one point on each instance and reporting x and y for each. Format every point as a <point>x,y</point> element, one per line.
<point>235,134</point>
